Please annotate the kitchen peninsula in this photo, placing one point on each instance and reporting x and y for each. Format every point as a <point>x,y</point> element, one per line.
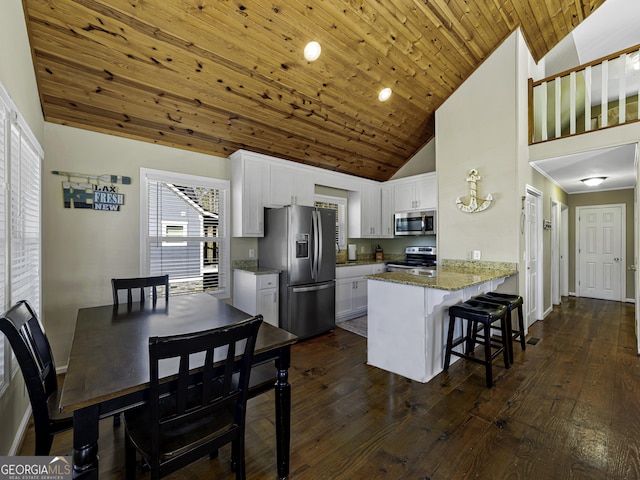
<point>408,313</point>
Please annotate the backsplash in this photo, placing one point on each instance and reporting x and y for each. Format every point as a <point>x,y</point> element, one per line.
<point>245,264</point>
<point>478,264</point>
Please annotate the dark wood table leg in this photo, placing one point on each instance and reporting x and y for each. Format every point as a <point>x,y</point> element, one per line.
<point>283,411</point>
<point>85,443</point>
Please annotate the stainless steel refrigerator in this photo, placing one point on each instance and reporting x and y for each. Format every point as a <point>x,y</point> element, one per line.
<point>300,241</point>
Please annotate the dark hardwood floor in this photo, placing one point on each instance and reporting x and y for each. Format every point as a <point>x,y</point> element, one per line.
<point>568,409</point>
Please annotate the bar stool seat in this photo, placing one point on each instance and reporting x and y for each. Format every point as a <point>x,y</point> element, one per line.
<point>512,302</point>
<point>479,315</point>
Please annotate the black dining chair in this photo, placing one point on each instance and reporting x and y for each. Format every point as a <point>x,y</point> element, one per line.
<point>203,405</point>
<point>141,284</point>
<point>31,347</point>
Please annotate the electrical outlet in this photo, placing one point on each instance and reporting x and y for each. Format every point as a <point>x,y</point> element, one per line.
<point>469,255</point>
<point>476,254</point>
<point>252,253</point>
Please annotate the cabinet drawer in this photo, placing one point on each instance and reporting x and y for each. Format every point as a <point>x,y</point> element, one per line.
<point>267,281</point>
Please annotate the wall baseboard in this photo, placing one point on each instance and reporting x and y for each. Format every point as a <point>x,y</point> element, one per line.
<point>17,441</point>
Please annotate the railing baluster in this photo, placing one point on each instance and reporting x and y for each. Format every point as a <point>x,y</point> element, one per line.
<point>558,86</point>
<point>622,99</point>
<point>636,66</point>
<point>587,99</point>
<point>543,115</point>
<point>604,103</point>
<point>572,103</point>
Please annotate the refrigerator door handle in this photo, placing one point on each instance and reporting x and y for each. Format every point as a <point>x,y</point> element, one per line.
<point>320,242</point>
<point>313,288</point>
<point>314,260</point>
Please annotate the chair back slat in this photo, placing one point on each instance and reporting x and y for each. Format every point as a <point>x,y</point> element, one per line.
<point>140,284</point>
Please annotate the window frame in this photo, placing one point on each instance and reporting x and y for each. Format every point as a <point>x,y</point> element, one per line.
<point>224,233</point>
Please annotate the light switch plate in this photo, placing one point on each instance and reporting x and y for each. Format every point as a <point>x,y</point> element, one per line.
<point>476,254</point>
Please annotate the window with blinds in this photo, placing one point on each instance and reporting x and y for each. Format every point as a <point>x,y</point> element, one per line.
<point>20,234</point>
<point>5,359</point>
<point>186,234</point>
<point>338,204</point>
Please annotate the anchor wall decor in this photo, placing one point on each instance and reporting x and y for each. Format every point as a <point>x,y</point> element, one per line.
<point>472,206</point>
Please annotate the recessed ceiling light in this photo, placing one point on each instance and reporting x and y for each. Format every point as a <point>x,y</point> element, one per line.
<point>312,51</point>
<point>384,94</point>
<point>593,181</point>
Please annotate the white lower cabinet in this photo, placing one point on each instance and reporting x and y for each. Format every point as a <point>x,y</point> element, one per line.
<point>256,294</point>
<point>351,290</point>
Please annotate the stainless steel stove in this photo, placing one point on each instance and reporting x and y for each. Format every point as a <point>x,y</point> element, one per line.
<point>415,257</point>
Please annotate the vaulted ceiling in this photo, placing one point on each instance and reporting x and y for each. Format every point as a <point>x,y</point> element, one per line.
<point>215,76</point>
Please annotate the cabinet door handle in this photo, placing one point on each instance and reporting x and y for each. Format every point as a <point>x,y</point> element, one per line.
<point>275,297</point>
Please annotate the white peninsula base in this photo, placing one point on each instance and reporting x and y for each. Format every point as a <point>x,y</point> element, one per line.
<point>407,325</point>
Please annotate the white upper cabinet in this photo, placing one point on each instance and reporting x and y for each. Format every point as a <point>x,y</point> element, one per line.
<point>364,211</point>
<point>248,173</point>
<point>386,211</point>
<point>260,181</point>
<point>289,185</point>
<point>415,193</point>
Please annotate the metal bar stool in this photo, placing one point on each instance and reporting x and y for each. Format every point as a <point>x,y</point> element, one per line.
<point>511,302</point>
<point>478,314</point>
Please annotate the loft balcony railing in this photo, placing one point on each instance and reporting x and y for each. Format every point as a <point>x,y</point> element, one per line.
<point>598,95</point>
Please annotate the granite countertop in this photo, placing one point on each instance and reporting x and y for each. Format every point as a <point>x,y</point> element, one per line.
<point>449,277</point>
<point>258,270</point>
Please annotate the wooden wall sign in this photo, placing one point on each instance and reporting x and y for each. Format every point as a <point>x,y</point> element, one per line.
<point>97,192</point>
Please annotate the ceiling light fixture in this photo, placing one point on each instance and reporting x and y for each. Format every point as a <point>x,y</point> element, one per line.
<point>593,181</point>
<point>312,51</point>
<point>384,94</point>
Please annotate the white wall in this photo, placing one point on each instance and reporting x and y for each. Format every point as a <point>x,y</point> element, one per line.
<point>477,128</point>
<point>83,249</point>
<point>18,78</point>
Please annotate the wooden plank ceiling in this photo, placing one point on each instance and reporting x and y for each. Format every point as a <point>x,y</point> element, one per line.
<point>216,76</point>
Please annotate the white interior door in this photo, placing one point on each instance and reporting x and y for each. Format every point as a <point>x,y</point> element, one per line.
<point>533,247</point>
<point>601,251</point>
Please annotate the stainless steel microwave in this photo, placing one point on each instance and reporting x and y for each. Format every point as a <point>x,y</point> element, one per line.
<point>415,223</point>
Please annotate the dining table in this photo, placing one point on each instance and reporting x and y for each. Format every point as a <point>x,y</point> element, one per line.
<point>108,369</point>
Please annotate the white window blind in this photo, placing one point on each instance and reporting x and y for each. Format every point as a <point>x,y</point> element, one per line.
<point>4,141</point>
<point>25,220</point>
<point>186,234</point>
<point>338,204</point>
<point>20,233</point>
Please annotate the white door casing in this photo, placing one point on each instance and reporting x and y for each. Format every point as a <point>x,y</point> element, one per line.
<point>559,249</point>
<point>600,247</point>
<point>564,251</point>
<point>555,252</point>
